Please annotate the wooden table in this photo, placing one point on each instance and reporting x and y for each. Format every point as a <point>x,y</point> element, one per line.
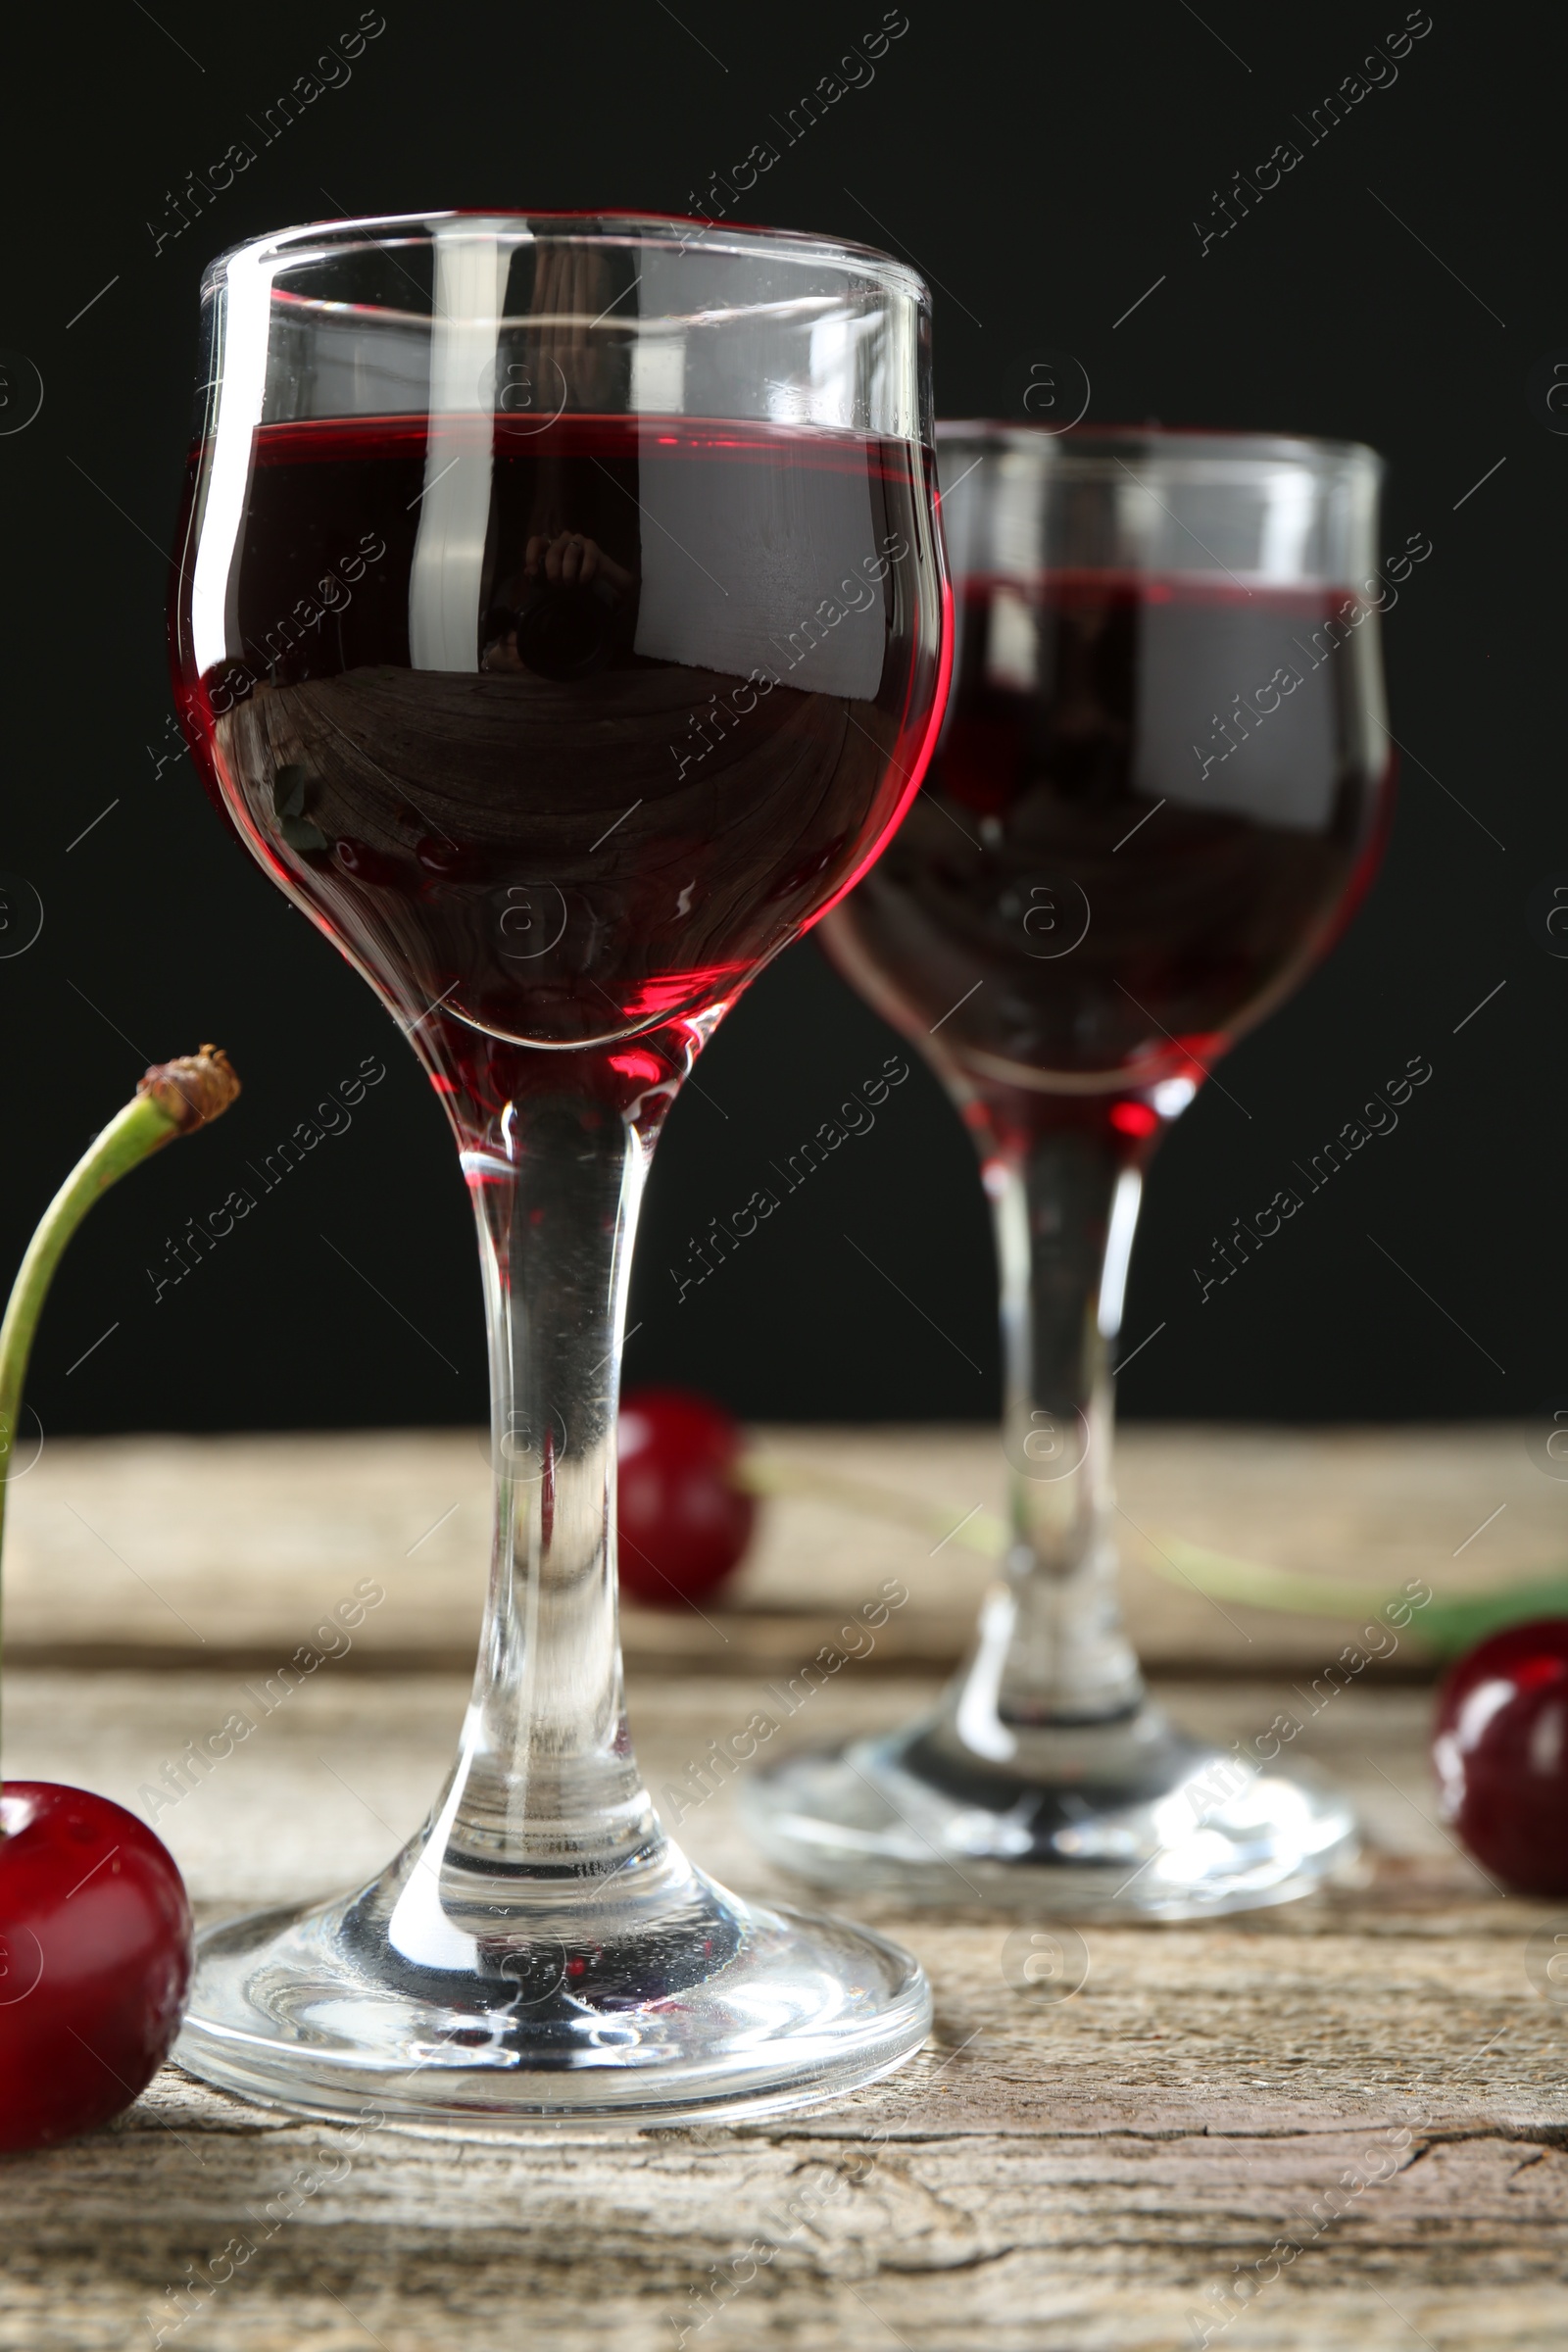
<point>1338,2124</point>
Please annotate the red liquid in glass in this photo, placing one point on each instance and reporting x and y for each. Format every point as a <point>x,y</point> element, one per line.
<point>602,805</point>
<point>1148,811</point>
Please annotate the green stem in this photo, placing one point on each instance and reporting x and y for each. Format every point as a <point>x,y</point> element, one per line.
<point>979,1531</point>
<point>1447,1624</point>
<point>174,1098</point>
<point>1216,1573</point>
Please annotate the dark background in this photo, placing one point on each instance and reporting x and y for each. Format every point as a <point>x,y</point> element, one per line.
<point>1043,166</point>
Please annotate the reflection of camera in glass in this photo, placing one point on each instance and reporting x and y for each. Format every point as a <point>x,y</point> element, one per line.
<point>564,630</point>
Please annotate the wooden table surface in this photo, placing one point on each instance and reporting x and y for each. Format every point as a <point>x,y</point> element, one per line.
<point>1339,2124</point>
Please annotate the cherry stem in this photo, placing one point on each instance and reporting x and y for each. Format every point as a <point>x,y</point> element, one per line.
<point>1190,1564</point>
<point>1447,1624</point>
<point>977,1531</point>
<point>175,1098</point>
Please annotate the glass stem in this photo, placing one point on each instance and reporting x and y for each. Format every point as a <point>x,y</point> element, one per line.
<point>1052,1649</point>
<point>556,1238</point>
<point>546,1787</point>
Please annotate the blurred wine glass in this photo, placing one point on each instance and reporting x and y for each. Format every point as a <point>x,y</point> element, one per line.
<point>1159,791</point>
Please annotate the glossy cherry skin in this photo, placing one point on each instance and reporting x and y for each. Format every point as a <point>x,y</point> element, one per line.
<point>1499,1748</point>
<point>684,1522</point>
<point>95,1959</point>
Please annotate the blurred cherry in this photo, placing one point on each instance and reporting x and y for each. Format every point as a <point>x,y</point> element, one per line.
<point>684,1521</point>
<point>1501,1751</point>
<point>95,1958</point>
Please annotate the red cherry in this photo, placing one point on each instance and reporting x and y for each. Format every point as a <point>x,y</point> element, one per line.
<point>684,1522</point>
<point>95,1959</point>
<point>1501,1751</point>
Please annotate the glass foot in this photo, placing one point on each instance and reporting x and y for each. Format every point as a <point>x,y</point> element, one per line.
<point>1125,1819</point>
<point>661,1999</point>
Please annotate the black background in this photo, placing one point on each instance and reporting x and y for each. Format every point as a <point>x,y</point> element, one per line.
<point>1045,167</point>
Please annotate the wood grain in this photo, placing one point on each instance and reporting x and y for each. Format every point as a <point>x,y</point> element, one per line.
<point>1366,2083</point>
<point>1342,2126</point>
<point>175,1549</point>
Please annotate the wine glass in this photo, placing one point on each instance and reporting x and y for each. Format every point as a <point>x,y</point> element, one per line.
<point>1160,788</point>
<point>560,620</point>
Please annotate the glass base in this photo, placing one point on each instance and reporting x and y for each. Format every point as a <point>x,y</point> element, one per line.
<point>1129,1819</point>
<point>673,2003</point>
